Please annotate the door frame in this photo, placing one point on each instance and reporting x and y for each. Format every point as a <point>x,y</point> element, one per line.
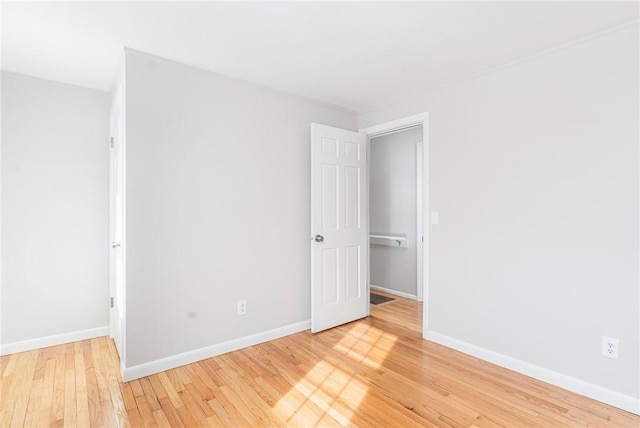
<point>117,132</point>
<point>423,189</point>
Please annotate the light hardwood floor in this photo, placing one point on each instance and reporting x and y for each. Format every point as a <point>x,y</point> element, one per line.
<point>377,372</point>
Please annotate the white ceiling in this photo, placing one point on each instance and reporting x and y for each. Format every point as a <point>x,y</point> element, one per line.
<point>357,55</point>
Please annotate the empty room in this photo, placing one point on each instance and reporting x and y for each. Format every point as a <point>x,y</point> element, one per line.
<point>372,214</point>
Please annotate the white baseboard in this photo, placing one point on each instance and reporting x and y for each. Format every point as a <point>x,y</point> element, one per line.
<point>152,367</point>
<point>394,292</point>
<point>613,398</point>
<point>57,339</point>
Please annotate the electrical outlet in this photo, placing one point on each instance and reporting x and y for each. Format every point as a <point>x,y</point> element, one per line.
<point>242,307</point>
<point>610,347</point>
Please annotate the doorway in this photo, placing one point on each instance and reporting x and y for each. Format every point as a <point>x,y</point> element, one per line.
<point>395,205</point>
<point>340,274</point>
<point>399,200</point>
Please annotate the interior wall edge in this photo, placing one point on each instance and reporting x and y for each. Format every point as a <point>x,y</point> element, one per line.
<point>167,363</point>
<point>54,340</point>
<point>53,82</point>
<point>599,393</point>
<point>168,61</point>
<point>567,45</point>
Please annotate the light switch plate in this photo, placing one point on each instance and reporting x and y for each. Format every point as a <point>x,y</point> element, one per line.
<point>435,218</point>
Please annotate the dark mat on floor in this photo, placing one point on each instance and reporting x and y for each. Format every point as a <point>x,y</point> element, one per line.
<point>376,299</point>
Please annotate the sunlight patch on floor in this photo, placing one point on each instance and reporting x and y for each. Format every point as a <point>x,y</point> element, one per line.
<point>333,390</point>
<point>367,345</point>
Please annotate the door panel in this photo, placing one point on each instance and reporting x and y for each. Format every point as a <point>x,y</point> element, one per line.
<point>352,197</point>
<point>329,191</point>
<point>352,273</point>
<point>330,279</point>
<point>339,249</point>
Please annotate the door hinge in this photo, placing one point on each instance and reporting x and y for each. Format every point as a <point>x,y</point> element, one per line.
<point>111,142</point>
<point>111,302</point>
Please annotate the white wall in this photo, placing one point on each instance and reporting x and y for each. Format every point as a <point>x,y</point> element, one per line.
<point>392,209</point>
<point>54,208</point>
<point>218,207</point>
<point>534,171</point>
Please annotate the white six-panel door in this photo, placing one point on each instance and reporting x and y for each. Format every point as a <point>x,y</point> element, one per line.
<point>339,243</point>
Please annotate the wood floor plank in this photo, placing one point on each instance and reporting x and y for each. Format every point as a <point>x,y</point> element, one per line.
<point>99,370</point>
<point>135,419</point>
<point>170,413</point>
<point>33,407</point>
<point>150,394</point>
<point>161,419</point>
<point>82,396</point>
<point>57,410</point>
<point>250,409</point>
<point>92,388</point>
<point>21,392</point>
<point>170,389</point>
<point>9,364</point>
<point>136,388</point>
<point>203,390</point>
<point>196,399</point>
<point>46,399</point>
<point>204,381</point>
<point>70,403</point>
<point>376,372</point>
<point>10,388</point>
<point>116,388</point>
<point>158,389</point>
<point>127,395</point>
<point>222,402</point>
<point>222,414</point>
<point>41,361</point>
<point>195,411</point>
<point>186,418</point>
<point>142,406</point>
<point>6,413</point>
<point>108,414</point>
<point>175,380</point>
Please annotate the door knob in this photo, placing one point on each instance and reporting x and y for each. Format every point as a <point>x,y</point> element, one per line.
<point>319,238</point>
<point>115,244</point>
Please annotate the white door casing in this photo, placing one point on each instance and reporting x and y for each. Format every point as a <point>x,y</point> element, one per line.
<point>116,215</point>
<point>419,231</point>
<point>339,243</point>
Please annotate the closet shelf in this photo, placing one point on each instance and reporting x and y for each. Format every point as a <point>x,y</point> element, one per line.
<point>395,240</point>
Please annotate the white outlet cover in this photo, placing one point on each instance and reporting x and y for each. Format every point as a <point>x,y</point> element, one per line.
<point>242,307</point>
<point>610,347</point>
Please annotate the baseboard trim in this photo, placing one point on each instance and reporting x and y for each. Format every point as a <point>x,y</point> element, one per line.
<point>57,339</point>
<point>394,292</point>
<point>156,366</point>
<point>613,398</point>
